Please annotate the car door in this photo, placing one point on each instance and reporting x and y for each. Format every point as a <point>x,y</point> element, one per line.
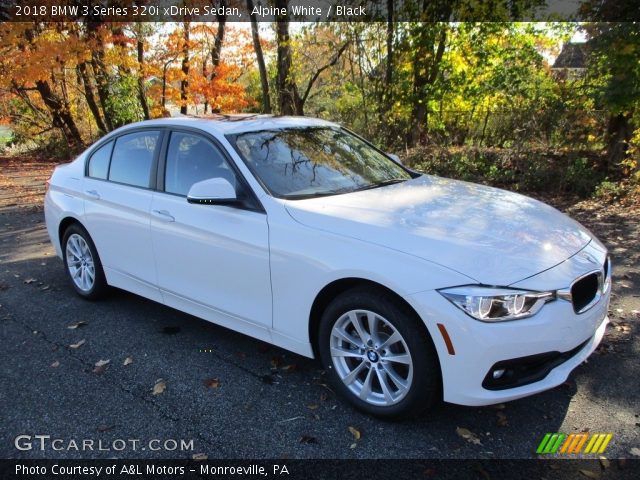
<point>212,260</point>
<point>117,191</point>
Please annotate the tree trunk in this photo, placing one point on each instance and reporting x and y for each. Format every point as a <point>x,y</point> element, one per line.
<point>264,79</point>
<point>62,117</point>
<point>426,66</point>
<point>91,99</point>
<point>184,83</point>
<point>217,42</point>
<point>141,90</point>
<point>619,133</point>
<point>288,96</point>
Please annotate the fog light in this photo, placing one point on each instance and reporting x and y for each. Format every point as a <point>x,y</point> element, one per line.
<point>498,373</point>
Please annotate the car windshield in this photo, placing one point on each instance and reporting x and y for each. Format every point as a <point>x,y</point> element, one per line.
<point>297,163</point>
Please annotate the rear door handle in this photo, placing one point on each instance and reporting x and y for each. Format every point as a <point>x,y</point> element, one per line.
<point>93,194</point>
<point>163,215</point>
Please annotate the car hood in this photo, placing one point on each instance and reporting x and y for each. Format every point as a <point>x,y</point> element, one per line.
<point>491,235</point>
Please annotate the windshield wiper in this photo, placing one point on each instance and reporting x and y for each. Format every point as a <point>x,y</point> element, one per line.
<point>383,183</point>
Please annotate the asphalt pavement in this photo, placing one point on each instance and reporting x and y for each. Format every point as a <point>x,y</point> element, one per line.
<point>172,378</point>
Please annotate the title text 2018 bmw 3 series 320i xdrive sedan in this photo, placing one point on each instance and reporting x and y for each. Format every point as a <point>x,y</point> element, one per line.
<point>409,288</point>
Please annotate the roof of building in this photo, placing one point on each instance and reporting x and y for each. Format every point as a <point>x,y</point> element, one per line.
<point>573,55</point>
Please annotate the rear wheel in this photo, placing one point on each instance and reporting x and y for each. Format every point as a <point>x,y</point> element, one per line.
<point>82,263</point>
<point>378,354</point>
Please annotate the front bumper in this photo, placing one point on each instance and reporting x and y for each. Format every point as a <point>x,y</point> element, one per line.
<point>480,346</point>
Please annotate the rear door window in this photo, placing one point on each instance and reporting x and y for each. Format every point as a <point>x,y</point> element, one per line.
<point>132,158</point>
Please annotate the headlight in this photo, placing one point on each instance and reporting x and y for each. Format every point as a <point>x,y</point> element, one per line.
<point>490,304</point>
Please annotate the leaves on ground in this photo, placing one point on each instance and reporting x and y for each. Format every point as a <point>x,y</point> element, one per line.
<point>355,432</point>
<point>100,366</point>
<point>589,473</point>
<point>276,362</point>
<point>502,420</point>
<point>127,361</point>
<point>635,451</point>
<point>78,345</point>
<point>29,281</point>
<point>212,383</point>
<point>81,323</point>
<point>159,387</point>
<point>312,407</point>
<point>468,435</point>
<point>55,364</point>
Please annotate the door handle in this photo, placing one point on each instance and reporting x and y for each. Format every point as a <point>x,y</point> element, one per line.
<point>163,215</point>
<point>93,194</point>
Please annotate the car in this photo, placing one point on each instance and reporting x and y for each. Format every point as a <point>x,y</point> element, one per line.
<point>409,288</point>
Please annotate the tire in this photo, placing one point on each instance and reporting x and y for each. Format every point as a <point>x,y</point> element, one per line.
<point>81,262</point>
<point>400,354</point>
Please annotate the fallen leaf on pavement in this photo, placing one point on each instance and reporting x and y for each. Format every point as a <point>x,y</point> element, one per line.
<point>312,407</point>
<point>635,451</point>
<point>159,387</point>
<point>502,420</point>
<point>589,473</point>
<point>200,457</point>
<point>289,368</point>
<point>353,445</point>
<point>468,435</point>
<point>212,383</point>
<point>276,362</point>
<point>29,281</point>
<point>127,361</point>
<point>100,366</point>
<point>78,345</point>
<point>73,326</point>
<point>55,364</point>
<point>355,432</point>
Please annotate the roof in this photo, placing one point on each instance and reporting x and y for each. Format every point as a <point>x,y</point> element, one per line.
<point>573,55</point>
<point>236,123</point>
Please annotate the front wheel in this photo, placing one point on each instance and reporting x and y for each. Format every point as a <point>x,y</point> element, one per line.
<point>378,354</point>
<point>82,264</point>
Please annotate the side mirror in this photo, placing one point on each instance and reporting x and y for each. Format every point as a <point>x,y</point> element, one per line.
<point>213,191</point>
<point>395,157</point>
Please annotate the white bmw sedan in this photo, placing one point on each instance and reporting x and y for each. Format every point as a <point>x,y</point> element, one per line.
<point>409,288</point>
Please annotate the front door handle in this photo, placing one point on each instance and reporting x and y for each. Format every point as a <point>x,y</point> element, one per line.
<point>163,215</point>
<point>93,194</point>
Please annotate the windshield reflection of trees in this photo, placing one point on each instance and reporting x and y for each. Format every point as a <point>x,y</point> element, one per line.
<point>315,160</point>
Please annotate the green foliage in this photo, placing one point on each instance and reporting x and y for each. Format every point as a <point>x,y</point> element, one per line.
<point>525,170</point>
<point>123,102</point>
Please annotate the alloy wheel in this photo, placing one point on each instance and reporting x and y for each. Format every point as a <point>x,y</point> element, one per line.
<point>371,357</point>
<point>80,262</point>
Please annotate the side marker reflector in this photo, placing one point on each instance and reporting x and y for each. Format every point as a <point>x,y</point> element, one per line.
<point>446,338</point>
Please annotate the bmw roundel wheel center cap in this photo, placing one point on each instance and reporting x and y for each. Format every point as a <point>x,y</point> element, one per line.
<point>372,355</point>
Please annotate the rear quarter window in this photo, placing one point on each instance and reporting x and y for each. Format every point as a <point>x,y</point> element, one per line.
<point>99,161</point>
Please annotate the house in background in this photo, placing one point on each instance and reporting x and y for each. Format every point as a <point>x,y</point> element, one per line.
<point>571,64</point>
